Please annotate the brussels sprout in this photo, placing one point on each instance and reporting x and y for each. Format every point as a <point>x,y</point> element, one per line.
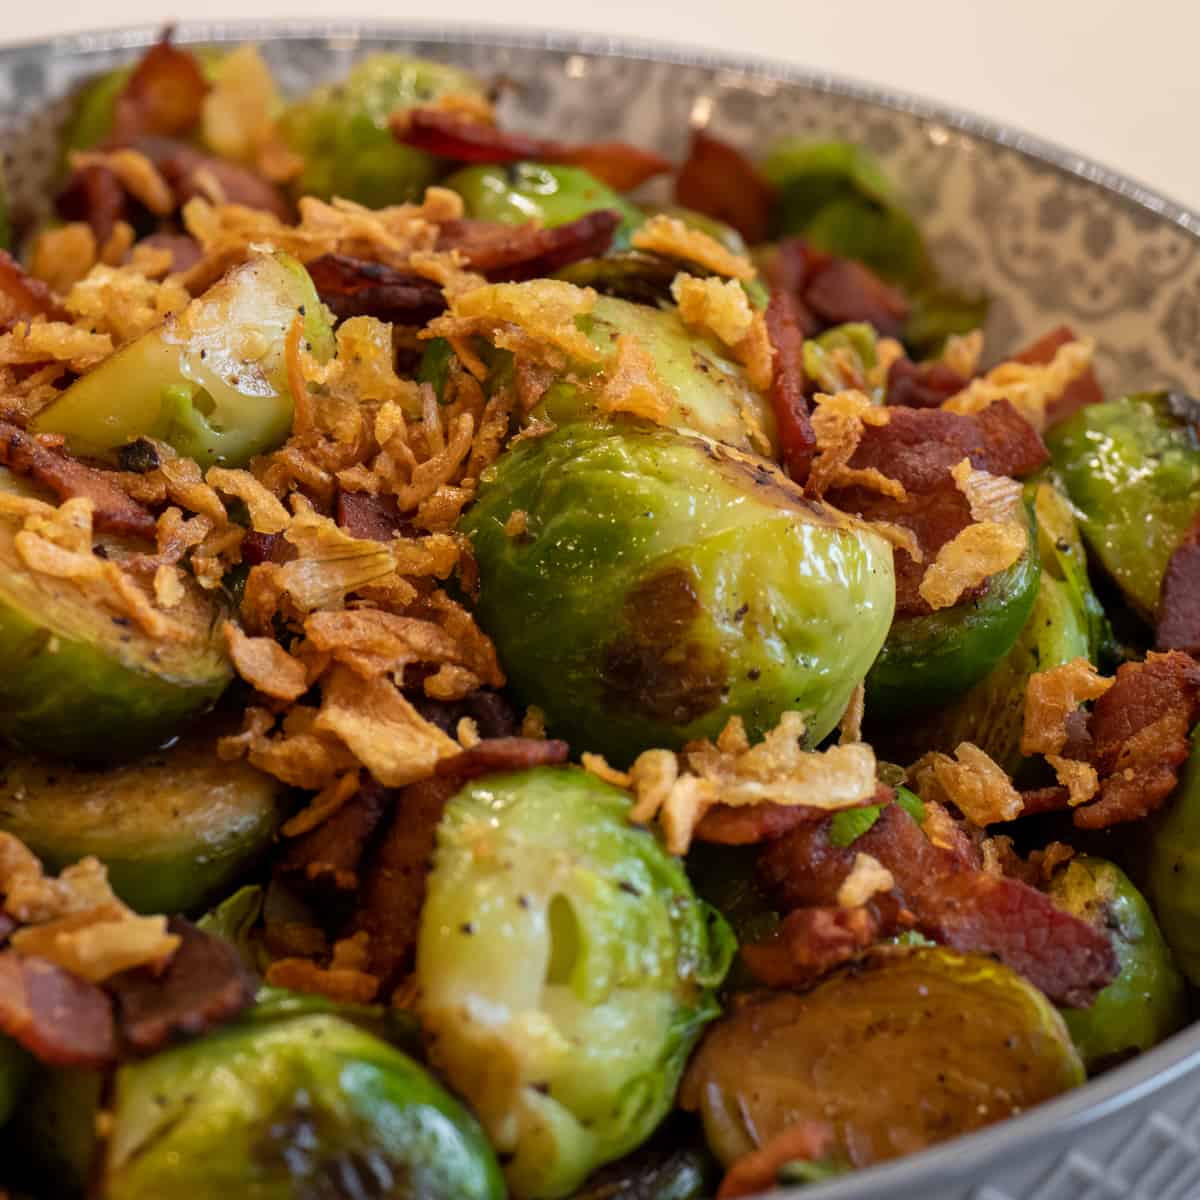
<point>908,1048</point>
<point>928,661</point>
<point>341,130</point>
<point>92,110</point>
<point>174,829</point>
<point>1132,470</point>
<point>52,1137</point>
<point>565,971</point>
<point>841,357</point>
<point>664,584</point>
<point>525,191</point>
<point>1147,1002</point>
<point>211,381</point>
<point>15,1068</point>
<point>79,685</point>
<point>938,312</point>
<point>1173,867</point>
<point>311,1105</point>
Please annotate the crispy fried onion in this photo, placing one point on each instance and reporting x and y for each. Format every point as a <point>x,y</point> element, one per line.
<point>720,307</point>
<point>1051,697</point>
<point>671,238</point>
<point>838,422</point>
<point>974,784</point>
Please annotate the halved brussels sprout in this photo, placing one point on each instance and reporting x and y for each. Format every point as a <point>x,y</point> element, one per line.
<point>80,684</point>
<point>211,381</point>
<point>663,584</point>
<point>1132,470</point>
<point>841,357</point>
<point>341,130</point>
<point>15,1069</point>
<point>905,1049</point>
<point>308,1106</point>
<point>174,829</point>
<point>1147,1002</point>
<point>565,971</point>
<point>529,191</point>
<point>928,661</point>
<point>92,108</point>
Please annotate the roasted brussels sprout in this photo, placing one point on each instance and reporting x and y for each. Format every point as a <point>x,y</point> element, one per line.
<point>92,108</point>
<point>909,1048</point>
<point>341,130</point>
<point>79,685</point>
<point>565,971</point>
<point>928,661</point>
<point>663,584</point>
<point>1173,868</point>
<point>841,358</point>
<point>15,1069</point>
<point>1147,1002</point>
<point>311,1105</point>
<point>211,381</point>
<point>552,195</point>
<point>174,829</point>
<point>1132,470</point>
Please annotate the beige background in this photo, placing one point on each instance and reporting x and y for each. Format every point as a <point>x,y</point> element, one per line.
<point>1118,81</point>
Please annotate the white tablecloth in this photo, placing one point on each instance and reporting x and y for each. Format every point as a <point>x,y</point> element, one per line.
<point>1113,80</point>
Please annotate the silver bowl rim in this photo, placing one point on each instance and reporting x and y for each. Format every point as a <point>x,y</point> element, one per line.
<point>1113,1091</point>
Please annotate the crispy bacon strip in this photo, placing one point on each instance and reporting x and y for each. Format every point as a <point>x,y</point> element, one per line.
<point>922,385</point>
<point>94,195</point>
<point>797,441</point>
<point>164,95</point>
<point>454,136</point>
<point>718,180</point>
<point>844,290</point>
<point>61,1020</point>
<point>519,252</point>
<point>115,512</point>
<point>745,825</point>
<point>375,517</point>
<point>811,942</point>
<point>503,754</point>
<point>1083,391</point>
<point>190,172</point>
<point>204,985</point>
<point>22,297</point>
<point>355,287</point>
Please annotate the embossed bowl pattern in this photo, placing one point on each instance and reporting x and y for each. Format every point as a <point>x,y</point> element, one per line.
<point>1051,237</point>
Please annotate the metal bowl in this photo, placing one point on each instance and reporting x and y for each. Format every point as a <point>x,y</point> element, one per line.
<point>1050,236</point>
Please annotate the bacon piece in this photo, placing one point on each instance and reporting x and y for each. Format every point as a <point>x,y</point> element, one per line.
<point>797,441</point>
<point>355,287</point>
<point>258,548</point>
<point>720,181</point>
<point>375,517</point>
<point>185,251</point>
<point>811,942</point>
<point>451,135</point>
<point>164,94</point>
<point>1044,800</point>
<point>922,385</point>
<point>7,925</point>
<point>845,290</point>
<point>493,755</point>
<point>204,985</point>
<point>757,1171</point>
<point>744,825</point>
<point>517,252</point>
<point>492,713</point>
<point>393,890</point>
<point>1178,624</point>
<point>1082,391</point>
<point>189,172</point>
<point>22,297</point>
<point>61,1020</point>
<point>115,512</point>
<point>327,859</point>
<point>94,195</point>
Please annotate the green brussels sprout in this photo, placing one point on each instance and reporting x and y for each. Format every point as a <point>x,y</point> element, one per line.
<point>928,661</point>
<point>1173,867</point>
<point>310,1105</point>
<point>15,1068</point>
<point>174,829</point>
<point>211,381</point>
<point>79,686</point>
<point>904,1049</point>
<point>52,1137</point>
<point>938,312</point>
<point>92,110</point>
<point>1132,470</point>
<point>1147,1002</point>
<point>841,357</point>
<point>341,130</point>
<point>527,191</point>
<point>565,971</point>
<point>664,584</point>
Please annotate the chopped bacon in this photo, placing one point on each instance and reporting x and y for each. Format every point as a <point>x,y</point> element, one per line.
<point>463,139</point>
<point>756,1172</point>
<point>164,94</point>
<point>720,181</point>
<point>922,385</point>
<point>189,172</point>
<point>355,287</point>
<point>371,517</point>
<point>503,754</point>
<point>1037,801</point>
<point>7,925</point>
<point>797,441</point>
<point>519,252</point>
<point>745,825</point>
<point>185,251</point>
<point>258,548</point>
<point>204,985</point>
<point>327,858</point>
<point>811,942</point>
<point>61,1020</point>
<point>845,290</point>
<point>95,195</point>
<point>1178,624</point>
<point>1082,391</point>
<point>22,297</point>
<point>115,512</point>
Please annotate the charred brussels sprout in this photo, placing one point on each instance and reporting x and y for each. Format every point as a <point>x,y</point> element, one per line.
<point>78,685</point>
<point>1132,469</point>
<point>663,584</point>
<point>308,1106</point>
<point>927,661</point>
<point>341,130</point>
<point>1147,1002</point>
<point>174,829</point>
<point>211,381</point>
<point>15,1068</point>
<point>565,971</point>
<point>909,1048</point>
<point>526,191</point>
